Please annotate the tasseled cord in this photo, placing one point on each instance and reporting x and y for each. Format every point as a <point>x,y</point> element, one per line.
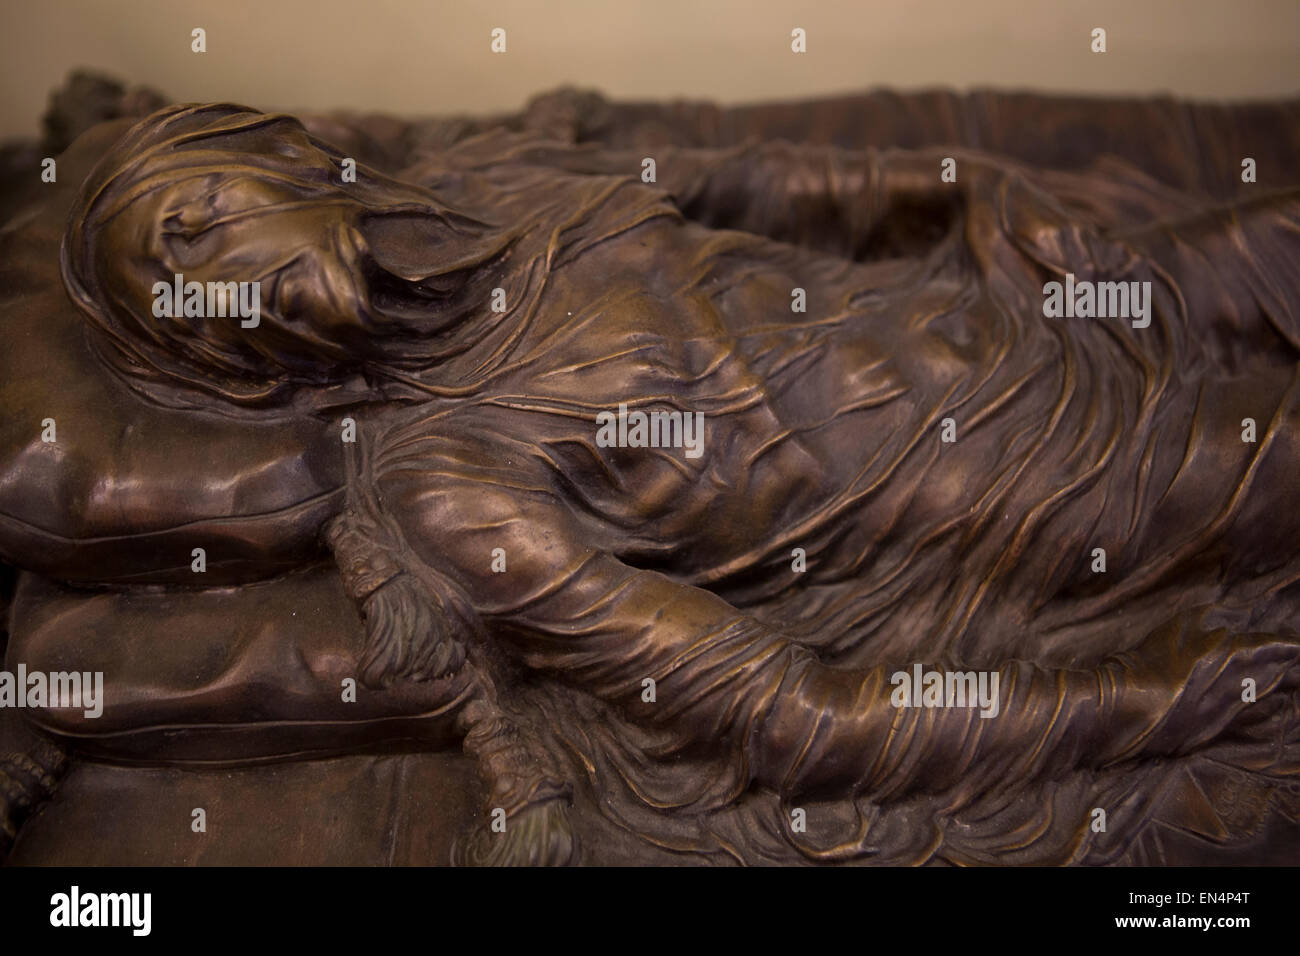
<point>421,626</point>
<point>27,780</point>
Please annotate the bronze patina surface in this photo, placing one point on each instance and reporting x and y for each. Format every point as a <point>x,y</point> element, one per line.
<point>419,473</point>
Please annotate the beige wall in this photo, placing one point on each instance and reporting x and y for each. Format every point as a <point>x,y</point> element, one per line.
<point>432,56</point>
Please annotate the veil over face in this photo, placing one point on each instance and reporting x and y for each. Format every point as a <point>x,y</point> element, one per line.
<point>350,273</point>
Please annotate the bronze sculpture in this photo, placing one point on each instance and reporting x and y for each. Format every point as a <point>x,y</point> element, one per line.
<point>914,469</point>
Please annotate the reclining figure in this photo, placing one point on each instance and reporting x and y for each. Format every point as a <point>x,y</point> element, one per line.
<point>903,462</point>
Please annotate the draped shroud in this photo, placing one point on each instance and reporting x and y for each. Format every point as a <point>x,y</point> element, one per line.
<point>1075,434</point>
<point>925,305</point>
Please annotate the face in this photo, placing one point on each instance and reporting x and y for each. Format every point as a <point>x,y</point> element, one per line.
<point>306,253</point>
<point>351,278</point>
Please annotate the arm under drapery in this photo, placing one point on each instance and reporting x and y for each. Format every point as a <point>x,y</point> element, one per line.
<point>586,618</point>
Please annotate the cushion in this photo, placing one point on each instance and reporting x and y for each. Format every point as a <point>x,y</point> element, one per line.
<point>223,675</point>
<point>129,488</point>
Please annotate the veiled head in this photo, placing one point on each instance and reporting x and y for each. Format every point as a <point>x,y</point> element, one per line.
<point>349,272</point>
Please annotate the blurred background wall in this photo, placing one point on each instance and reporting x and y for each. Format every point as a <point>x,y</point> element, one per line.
<point>433,56</point>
